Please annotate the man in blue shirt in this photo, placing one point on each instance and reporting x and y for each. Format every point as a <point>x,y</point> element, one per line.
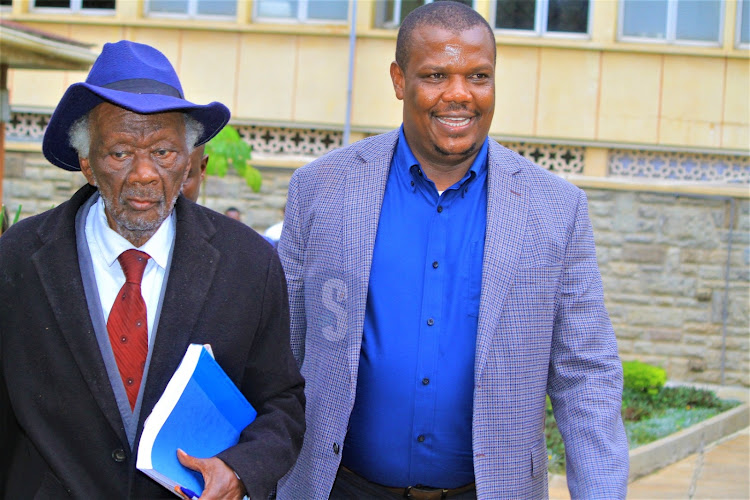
<point>440,286</point>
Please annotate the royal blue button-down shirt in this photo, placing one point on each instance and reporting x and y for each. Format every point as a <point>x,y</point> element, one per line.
<point>411,423</point>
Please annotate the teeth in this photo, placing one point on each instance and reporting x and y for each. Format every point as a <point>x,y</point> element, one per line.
<point>454,122</point>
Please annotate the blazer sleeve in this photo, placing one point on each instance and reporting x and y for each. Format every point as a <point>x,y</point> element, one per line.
<point>585,377</point>
<point>291,252</point>
<point>270,445</point>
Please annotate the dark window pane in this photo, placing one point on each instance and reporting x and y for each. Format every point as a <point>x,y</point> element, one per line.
<point>569,16</point>
<point>328,9</point>
<point>744,21</point>
<point>52,3</point>
<point>6,2</point>
<point>698,20</point>
<point>645,18</point>
<point>409,5</point>
<point>168,6</point>
<point>515,14</point>
<point>98,4</point>
<point>217,7</point>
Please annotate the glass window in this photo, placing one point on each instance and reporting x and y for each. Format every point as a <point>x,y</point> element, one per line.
<point>192,8</point>
<point>303,10</point>
<point>390,13</point>
<point>743,23</point>
<point>75,5</point>
<point>543,16</point>
<point>672,20</point>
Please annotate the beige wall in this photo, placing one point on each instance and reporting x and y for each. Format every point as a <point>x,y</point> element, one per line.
<point>596,91</point>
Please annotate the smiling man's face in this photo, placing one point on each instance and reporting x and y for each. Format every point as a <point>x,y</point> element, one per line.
<point>448,89</point>
<point>139,163</point>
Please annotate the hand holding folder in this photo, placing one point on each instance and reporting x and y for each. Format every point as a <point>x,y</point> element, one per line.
<point>201,412</point>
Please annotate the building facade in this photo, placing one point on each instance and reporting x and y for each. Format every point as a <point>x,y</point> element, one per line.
<point>645,105</point>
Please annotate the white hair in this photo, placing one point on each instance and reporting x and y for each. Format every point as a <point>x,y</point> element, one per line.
<point>79,135</point>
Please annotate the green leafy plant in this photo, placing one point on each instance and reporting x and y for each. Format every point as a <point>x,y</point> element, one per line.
<point>227,150</point>
<point>647,415</point>
<point>3,213</point>
<point>643,377</point>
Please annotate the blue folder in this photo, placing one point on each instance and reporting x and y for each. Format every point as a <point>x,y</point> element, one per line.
<point>201,412</point>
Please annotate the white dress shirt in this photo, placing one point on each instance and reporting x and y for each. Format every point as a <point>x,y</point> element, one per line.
<point>105,245</point>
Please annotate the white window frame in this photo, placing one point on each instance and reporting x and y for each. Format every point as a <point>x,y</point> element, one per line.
<point>192,13</point>
<point>301,17</point>
<point>75,8</point>
<point>541,11</point>
<point>395,21</point>
<point>738,43</point>
<point>670,37</point>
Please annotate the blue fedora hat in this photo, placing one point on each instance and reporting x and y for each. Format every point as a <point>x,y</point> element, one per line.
<point>136,77</point>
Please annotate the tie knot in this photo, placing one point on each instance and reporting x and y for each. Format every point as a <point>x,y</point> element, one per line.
<point>133,263</point>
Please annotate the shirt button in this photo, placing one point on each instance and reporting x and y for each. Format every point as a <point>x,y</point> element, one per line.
<point>440,208</point>
<point>336,448</point>
<point>425,381</point>
<point>420,438</point>
<point>435,265</point>
<point>119,455</point>
<point>430,322</point>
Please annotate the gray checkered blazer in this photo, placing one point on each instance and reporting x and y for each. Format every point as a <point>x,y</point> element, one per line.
<point>543,328</point>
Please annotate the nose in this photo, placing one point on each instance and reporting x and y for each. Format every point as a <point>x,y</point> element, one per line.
<point>144,170</point>
<point>457,91</point>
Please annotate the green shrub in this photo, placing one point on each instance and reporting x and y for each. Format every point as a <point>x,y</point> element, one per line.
<point>642,377</point>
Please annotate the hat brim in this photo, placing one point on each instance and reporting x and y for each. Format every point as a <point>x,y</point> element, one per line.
<point>80,98</point>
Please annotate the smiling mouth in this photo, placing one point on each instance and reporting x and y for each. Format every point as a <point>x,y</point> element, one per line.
<point>453,122</point>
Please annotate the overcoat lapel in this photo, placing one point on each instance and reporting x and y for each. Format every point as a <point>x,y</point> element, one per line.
<point>507,208</point>
<point>365,189</point>
<point>63,287</point>
<point>183,298</point>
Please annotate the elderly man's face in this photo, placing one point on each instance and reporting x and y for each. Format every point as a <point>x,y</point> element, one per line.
<point>139,163</point>
<point>448,89</point>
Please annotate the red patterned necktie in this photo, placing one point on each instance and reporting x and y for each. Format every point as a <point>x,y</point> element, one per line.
<point>128,325</point>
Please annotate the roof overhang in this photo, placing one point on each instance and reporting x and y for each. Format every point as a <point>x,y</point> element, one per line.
<point>22,47</point>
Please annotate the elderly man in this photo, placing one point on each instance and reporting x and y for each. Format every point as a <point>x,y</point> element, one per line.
<point>101,296</point>
<point>440,286</point>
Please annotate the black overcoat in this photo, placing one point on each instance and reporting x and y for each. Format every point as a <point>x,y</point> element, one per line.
<point>61,434</point>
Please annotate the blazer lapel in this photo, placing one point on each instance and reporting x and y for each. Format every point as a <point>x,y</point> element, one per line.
<point>183,298</point>
<point>507,208</point>
<point>56,263</point>
<point>365,189</point>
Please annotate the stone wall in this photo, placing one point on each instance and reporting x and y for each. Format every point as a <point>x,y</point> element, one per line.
<point>663,259</point>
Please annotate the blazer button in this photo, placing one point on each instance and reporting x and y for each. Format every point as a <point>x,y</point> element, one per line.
<point>336,448</point>
<point>118,455</point>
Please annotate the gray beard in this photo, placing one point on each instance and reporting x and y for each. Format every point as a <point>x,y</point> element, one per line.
<point>138,226</point>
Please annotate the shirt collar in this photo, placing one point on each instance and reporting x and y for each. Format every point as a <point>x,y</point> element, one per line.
<point>113,244</point>
<point>406,161</point>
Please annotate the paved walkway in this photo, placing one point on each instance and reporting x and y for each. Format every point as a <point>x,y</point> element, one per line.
<point>721,472</point>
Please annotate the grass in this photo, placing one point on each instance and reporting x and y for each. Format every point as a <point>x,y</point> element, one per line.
<point>647,417</point>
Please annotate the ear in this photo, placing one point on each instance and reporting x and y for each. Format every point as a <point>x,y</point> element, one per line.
<point>397,77</point>
<point>204,164</point>
<point>86,170</point>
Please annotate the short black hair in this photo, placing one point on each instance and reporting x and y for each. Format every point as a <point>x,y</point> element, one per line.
<point>445,14</point>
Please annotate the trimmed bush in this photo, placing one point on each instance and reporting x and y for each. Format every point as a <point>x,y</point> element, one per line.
<point>642,377</point>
